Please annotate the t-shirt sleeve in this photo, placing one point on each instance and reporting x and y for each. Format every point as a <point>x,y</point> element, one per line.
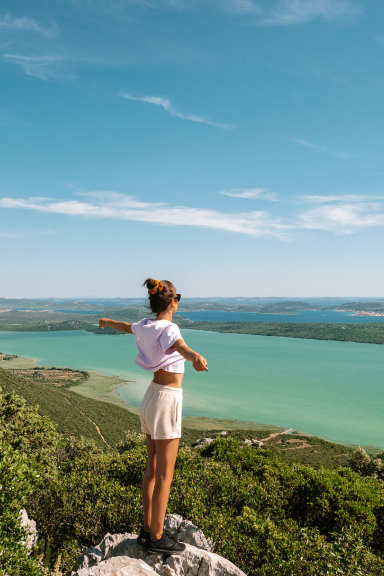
<point>169,336</point>
<point>134,327</point>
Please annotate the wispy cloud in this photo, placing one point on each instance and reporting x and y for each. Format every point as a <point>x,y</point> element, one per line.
<point>316,199</point>
<point>269,12</point>
<point>118,206</point>
<point>39,66</point>
<point>10,235</point>
<point>337,214</point>
<point>25,23</point>
<point>288,12</point>
<point>320,148</point>
<point>168,107</point>
<point>343,218</point>
<point>251,193</point>
<point>243,6</point>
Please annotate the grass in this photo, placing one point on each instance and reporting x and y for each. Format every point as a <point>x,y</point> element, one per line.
<point>63,405</point>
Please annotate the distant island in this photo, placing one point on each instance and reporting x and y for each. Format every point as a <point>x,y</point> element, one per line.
<point>46,316</point>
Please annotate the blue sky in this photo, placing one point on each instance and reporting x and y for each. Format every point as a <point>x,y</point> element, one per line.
<point>234,147</point>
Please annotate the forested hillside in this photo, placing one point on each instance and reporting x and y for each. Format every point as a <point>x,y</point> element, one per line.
<point>269,517</point>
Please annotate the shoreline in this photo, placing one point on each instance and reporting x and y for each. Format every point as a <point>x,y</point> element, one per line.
<point>99,386</point>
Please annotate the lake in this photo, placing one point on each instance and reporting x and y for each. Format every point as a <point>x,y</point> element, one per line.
<point>330,389</point>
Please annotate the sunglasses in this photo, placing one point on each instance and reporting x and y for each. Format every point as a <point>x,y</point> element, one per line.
<point>178,296</point>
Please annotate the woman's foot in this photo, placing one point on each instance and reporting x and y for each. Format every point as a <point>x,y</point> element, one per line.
<point>143,535</point>
<point>164,545</point>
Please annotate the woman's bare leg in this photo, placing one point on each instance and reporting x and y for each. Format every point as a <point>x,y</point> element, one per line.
<point>149,482</point>
<point>165,458</point>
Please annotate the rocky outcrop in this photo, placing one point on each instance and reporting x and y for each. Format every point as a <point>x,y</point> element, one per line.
<point>121,555</point>
<point>120,566</point>
<point>185,531</point>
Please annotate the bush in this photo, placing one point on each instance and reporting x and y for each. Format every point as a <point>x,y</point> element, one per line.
<point>91,495</point>
<point>366,465</point>
<point>268,517</point>
<point>28,432</point>
<point>15,485</point>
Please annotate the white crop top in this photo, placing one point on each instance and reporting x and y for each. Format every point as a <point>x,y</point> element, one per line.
<point>154,341</point>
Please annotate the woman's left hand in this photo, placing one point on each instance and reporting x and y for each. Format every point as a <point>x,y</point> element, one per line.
<point>200,363</point>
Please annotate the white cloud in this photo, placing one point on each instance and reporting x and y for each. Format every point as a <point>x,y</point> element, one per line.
<point>24,23</point>
<point>168,107</point>
<point>39,66</point>
<point>117,206</point>
<point>252,193</point>
<point>321,148</point>
<point>286,12</point>
<point>243,6</point>
<point>342,198</point>
<point>270,12</point>
<point>310,145</point>
<point>10,235</point>
<point>343,218</point>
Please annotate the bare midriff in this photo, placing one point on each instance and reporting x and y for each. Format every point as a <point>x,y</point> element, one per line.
<point>173,379</point>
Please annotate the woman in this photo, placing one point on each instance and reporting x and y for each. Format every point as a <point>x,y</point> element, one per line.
<point>163,352</point>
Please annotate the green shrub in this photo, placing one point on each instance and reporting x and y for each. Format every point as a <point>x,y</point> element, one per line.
<point>15,485</point>
<point>366,465</point>
<point>26,431</point>
<point>89,497</point>
<point>131,440</point>
<point>268,517</point>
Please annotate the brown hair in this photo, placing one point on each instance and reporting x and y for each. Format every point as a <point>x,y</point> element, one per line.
<point>159,301</point>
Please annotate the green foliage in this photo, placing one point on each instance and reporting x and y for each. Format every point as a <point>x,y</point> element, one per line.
<point>268,517</point>
<point>367,465</point>
<point>26,431</point>
<point>271,518</point>
<point>91,495</point>
<point>71,412</point>
<point>372,333</point>
<point>131,440</point>
<point>16,478</point>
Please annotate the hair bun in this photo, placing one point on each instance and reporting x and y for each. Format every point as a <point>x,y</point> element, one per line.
<point>150,283</point>
<point>160,294</point>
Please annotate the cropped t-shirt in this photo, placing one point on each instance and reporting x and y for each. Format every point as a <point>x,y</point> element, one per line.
<point>154,341</point>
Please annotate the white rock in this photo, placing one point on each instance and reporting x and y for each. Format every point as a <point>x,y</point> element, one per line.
<point>185,531</point>
<point>99,560</point>
<point>119,566</point>
<point>31,527</point>
<point>204,441</point>
<point>95,554</point>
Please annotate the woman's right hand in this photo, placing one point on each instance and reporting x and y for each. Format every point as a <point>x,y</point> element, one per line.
<point>103,323</point>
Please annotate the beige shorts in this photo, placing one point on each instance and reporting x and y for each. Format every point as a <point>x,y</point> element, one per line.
<point>160,412</point>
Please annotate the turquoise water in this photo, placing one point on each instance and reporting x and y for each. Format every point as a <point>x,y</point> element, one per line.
<point>330,389</point>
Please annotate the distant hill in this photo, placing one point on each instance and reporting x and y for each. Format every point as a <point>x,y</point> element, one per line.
<point>270,307</point>
<point>9,303</point>
<point>360,307</point>
<point>288,306</point>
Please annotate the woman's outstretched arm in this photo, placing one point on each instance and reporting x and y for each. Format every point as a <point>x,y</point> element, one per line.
<point>121,326</point>
<point>198,361</point>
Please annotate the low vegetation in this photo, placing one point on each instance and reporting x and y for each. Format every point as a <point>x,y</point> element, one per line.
<point>266,512</point>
